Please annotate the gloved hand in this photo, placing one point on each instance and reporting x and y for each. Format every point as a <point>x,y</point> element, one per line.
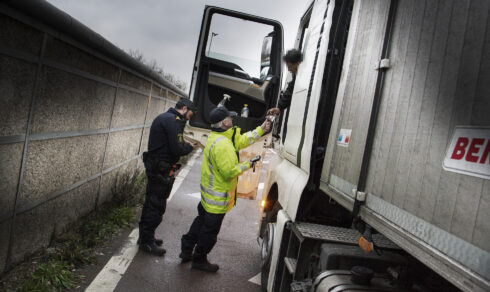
<point>266,126</point>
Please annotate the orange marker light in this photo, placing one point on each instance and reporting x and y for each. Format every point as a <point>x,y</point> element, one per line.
<point>365,244</point>
<point>262,203</point>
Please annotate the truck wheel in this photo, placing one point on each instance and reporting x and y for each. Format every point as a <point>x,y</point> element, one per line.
<point>266,254</point>
<point>270,216</point>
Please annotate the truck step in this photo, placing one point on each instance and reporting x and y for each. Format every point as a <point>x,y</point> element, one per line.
<point>290,265</point>
<point>339,234</point>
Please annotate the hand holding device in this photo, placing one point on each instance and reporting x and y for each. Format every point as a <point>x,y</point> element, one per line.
<point>253,160</point>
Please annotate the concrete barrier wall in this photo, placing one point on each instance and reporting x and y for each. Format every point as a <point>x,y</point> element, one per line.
<point>73,117</point>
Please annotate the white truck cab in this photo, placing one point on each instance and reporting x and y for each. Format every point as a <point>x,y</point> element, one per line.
<point>380,178</point>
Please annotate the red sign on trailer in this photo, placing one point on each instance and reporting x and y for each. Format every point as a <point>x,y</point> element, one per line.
<point>469,152</point>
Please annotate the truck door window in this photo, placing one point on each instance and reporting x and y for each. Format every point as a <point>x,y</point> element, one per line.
<point>240,51</point>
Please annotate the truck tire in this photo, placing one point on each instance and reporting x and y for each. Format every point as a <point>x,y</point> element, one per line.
<point>266,254</point>
<point>272,214</point>
<point>270,217</point>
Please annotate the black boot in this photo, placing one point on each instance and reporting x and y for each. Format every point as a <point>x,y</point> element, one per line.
<point>186,256</point>
<point>205,266</point>
<point>152,248</point>
<point>158,241</point>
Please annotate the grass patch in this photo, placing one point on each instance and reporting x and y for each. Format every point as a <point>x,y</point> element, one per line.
<point>51,276</point>
<point>76,247</point>
<point>57,264</point>
<point>129,190</point>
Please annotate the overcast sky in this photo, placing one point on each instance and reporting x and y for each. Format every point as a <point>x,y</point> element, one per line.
<point>167,30</point>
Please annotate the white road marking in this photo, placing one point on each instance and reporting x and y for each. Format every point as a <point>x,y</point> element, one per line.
<point>107,279</point>
<point>110,275</point>
<point>183,173</point>
<point>256,279</point>
<point>195,195</point>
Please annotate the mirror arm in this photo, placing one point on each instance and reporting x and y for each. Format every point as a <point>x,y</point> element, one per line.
<point>257,81</point>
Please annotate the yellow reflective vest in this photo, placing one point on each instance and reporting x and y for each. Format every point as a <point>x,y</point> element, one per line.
<point>220,168</point>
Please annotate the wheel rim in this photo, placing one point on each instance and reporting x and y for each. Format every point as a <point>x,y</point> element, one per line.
<point>267,243</point>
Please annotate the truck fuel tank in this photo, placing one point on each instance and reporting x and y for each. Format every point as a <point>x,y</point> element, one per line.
<point>357,279</point>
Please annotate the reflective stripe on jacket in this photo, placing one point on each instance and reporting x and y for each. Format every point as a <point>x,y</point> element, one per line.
<point>220,168</point>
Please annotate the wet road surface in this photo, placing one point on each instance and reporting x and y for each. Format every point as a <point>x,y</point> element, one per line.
<point>237,251</point>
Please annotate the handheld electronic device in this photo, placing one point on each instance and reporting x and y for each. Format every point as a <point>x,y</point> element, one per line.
<point>255,159</point>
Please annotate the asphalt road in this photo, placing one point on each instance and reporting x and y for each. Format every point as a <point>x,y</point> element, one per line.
<point>237,251</point>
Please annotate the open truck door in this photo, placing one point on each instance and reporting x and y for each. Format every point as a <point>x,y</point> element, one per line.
<point>239,55</point>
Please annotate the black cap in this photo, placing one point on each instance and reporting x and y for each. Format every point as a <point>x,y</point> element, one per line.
<point>220,113</point>
<point>188,103</point>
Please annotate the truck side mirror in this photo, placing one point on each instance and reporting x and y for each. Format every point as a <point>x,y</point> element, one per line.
<point>265,55</point>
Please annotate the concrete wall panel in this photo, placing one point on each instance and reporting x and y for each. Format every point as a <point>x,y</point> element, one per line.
<point>170,104</point>
<point>75,91</point>
<point>144,141</point>
<point>32,231</point>
<point>111,180</point>
<point>11,159</point>
<point>133,164</point>
<point>134,81</point>
<point>157,106</point>
<point>129,109</point>
<point>4,235</point>
<point>140,167</point>
<point>31,39</point>
<point>16,85</point>
<point>71,56</point>
<point>122,146</point>
<point>75,204</point>
<point>55,164</point>
<point>67,102</point>
<point>172,96</point>
<point>157,90</point>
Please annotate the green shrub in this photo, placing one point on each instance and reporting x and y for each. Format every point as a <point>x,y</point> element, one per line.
<point>121,217</point>
<point>75,247</point>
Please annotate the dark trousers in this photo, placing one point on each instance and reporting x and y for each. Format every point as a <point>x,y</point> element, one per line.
<point>157,191</point>
<point>202,234</point>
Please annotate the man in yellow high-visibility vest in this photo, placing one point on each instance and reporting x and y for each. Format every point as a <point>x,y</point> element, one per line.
<point>220,169</point>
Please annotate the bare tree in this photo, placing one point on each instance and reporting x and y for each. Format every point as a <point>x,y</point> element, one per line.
<point>153,65</point>
<point>137,55</point>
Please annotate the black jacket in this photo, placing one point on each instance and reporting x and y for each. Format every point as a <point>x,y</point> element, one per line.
<point>285,98</point>
<point>166,141</point>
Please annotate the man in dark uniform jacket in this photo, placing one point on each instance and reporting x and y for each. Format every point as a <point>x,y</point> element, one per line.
<point>165,146</point>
